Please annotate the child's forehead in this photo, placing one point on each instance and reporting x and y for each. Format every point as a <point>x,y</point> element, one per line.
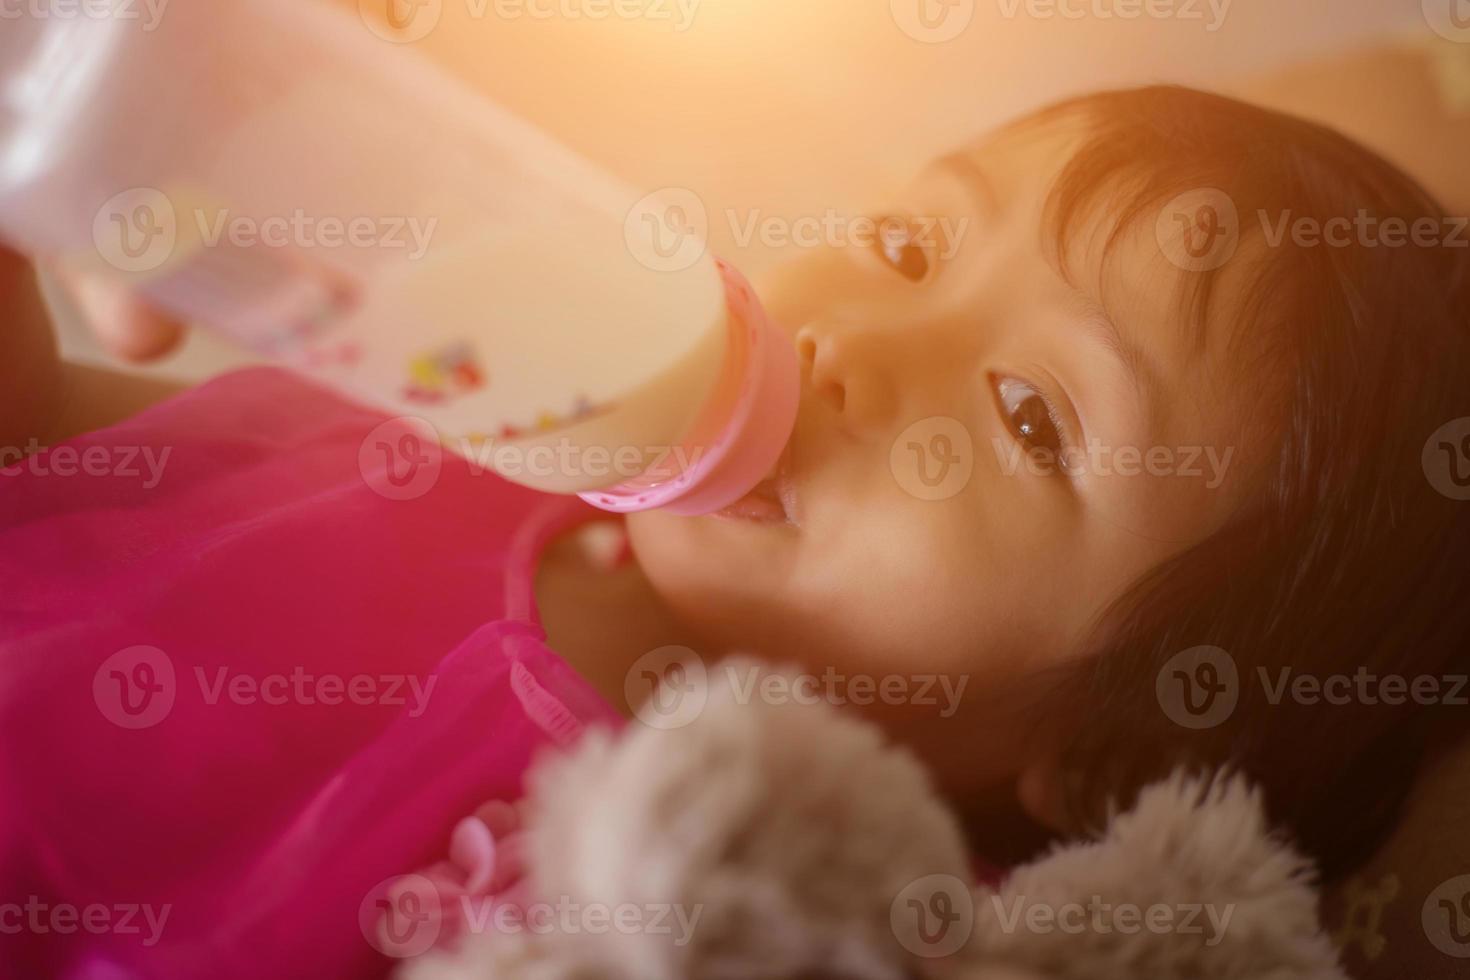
<point>1100,247</point>
<point>1027,154</point>
<point>1109,243</point>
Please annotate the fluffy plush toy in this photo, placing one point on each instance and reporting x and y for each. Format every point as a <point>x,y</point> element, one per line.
<point>789,841</point>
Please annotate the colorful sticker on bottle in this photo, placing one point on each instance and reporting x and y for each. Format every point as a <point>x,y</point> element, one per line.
<point>438,376</point>
<point>548,421</point>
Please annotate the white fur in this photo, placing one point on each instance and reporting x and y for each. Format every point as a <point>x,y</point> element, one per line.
<point>793,828</point>
<point>1187,843</point>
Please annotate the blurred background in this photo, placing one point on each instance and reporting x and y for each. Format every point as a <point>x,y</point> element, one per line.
<point>784,108</point>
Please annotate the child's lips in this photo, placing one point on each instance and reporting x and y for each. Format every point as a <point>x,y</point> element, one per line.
<point>772,501</point>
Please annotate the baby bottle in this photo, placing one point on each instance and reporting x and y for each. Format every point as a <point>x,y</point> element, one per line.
<point>277,172</point>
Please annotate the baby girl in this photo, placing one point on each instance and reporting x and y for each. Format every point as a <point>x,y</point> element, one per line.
<point>249,690</point>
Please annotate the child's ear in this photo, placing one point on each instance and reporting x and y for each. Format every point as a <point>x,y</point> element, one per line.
<point>1041,791</point>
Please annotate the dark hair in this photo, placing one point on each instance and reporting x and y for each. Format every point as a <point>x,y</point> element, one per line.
<point>1349,559</point>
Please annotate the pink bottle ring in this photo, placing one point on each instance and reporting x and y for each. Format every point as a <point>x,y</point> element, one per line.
<point>742,429</point>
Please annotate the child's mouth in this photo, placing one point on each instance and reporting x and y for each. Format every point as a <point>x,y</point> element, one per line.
<point>772,501</point>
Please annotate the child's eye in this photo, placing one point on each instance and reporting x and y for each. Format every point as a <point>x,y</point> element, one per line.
<point>899,246</point>
<point>1028,415</point>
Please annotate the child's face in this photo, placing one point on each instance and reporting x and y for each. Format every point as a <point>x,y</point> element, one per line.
<point>1004,575</point>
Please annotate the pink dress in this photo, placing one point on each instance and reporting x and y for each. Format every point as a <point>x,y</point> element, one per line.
<point>260,651</point>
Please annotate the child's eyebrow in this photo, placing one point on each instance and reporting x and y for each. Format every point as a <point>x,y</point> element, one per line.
<point>1101,327</point>
<point>963,167</point>
<point>1139,364</point>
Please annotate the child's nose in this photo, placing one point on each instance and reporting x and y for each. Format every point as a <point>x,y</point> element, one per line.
<point>846,368</point>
